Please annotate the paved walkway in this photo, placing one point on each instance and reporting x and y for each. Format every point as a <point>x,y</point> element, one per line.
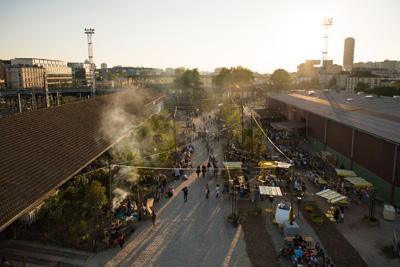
<point>193,233</point>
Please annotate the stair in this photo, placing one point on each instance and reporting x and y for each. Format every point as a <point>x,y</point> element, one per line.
<point>37,255</point>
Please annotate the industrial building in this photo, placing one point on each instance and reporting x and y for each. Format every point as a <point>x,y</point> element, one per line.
<point>362,131</point>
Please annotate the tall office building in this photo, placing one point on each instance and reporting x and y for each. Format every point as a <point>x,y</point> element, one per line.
<point>348,54</point>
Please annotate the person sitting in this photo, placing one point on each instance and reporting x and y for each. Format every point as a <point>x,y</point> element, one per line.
<point>296,242</point>
<point>321,254</point>
<point>287,205</point>
<point>106,238</point>
<point>317,246</point>
<point>282,205</point>
<point>298,253</point>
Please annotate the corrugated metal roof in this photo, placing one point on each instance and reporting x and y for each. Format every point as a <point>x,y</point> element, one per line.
<point>42,149</point>
<point>378,116</point>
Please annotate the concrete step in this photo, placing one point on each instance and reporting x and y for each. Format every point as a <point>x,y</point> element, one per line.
<point>51,250</point>
<point>41,259</point>
<point>37,254</point>
<point>27,264</point>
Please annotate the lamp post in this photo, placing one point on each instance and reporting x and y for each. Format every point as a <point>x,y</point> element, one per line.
<point>176,108</point>
<point>291,197</point>
<point>109,191</point>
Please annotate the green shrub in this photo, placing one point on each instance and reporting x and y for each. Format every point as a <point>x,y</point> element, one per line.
<point>231,216</point>
<point>256,211</point>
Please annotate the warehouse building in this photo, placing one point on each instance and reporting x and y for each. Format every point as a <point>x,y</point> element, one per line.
<point>362,131</point>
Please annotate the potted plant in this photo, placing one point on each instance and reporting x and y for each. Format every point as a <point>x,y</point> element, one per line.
<point>256,211</point>
<point>318,218</point>
<point>231,217</point>
<point>310,206</point>
<point>371,221</point>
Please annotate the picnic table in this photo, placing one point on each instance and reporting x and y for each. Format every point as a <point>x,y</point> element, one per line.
<point>307,239</point>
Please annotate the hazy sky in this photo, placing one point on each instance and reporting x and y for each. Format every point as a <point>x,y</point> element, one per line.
<point>262,35</point>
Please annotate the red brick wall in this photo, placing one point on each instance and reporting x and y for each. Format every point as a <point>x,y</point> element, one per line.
<point>374,154</point>
<point>316,127</point>
<point>339,138</point>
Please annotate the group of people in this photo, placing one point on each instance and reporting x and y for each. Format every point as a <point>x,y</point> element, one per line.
<point>113,236</point>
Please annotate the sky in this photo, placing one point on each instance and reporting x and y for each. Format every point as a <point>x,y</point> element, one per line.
<point>262,35</point>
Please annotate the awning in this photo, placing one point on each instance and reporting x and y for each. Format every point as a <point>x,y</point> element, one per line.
<point>359,182</point>
<point>233,165</point>
<point>274,164</point>
<point>286,125</point>
<point>332,196</point>
<point>345,173</point>
<point>270,190</point>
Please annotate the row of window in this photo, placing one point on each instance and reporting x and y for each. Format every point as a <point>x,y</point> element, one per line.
<point>357,80</point>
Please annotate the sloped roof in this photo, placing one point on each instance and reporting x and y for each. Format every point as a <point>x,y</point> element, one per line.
<point>40,150</point>
<point>379,116</point>
<point>364,75</point>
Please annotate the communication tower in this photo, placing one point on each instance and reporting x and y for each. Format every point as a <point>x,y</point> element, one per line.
<point>326,23</point>
<point>89,33</point>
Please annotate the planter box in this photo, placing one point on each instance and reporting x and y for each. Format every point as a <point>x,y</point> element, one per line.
<point>374,223</point>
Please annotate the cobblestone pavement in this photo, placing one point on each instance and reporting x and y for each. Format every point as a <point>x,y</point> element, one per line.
<point>192,233</point>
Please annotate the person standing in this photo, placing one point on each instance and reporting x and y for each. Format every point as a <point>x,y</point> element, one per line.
<point>177,174</point>
<point>185,193</point>
<point>215,171</point>
<point>153,219</point>
<point>198,171</point>
<point>217,190</point>
<point>203,170</point>
<point>207,190</point>
<point>210,170</point>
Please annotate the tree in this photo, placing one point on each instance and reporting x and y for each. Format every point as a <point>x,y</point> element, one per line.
<point>111,76</point>
<point>144,73</point>
<point>95,196</point>
<point>188,79</point>
<point>281,76</point>
<point>332,83</point>
<point>361,87</point>
<point>233,77</point>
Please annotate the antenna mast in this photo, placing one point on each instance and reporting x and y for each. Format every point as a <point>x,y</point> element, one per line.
<point>326,23</point>
<point>89,33</point>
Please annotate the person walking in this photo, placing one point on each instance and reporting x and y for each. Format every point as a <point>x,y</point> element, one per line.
<point>217,190</point>
<point>198,171</point>
<point>185,193</point>
<point>203,170</point>
<point>207,190</point>
<point>215,171</point>
<point>210,171</point>
<point>153,219</point>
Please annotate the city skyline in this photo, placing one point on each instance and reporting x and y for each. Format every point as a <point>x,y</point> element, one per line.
<point>262,36</point>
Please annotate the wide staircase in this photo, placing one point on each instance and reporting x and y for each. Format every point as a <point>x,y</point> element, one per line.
<point>24,253</point>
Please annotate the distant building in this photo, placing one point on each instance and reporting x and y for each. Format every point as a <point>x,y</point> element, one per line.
<point>348,54</point>
<point>169,71</point>
<point>82,74</point>
<point>104,71</point>
<point>341,80</point>
<point>368,78</point>
<point>24,76</point>
<point>308,68</point>
<point>2,77</point>
<point>57,71</point>
<point>390,65</point>
<point>300,79</point>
